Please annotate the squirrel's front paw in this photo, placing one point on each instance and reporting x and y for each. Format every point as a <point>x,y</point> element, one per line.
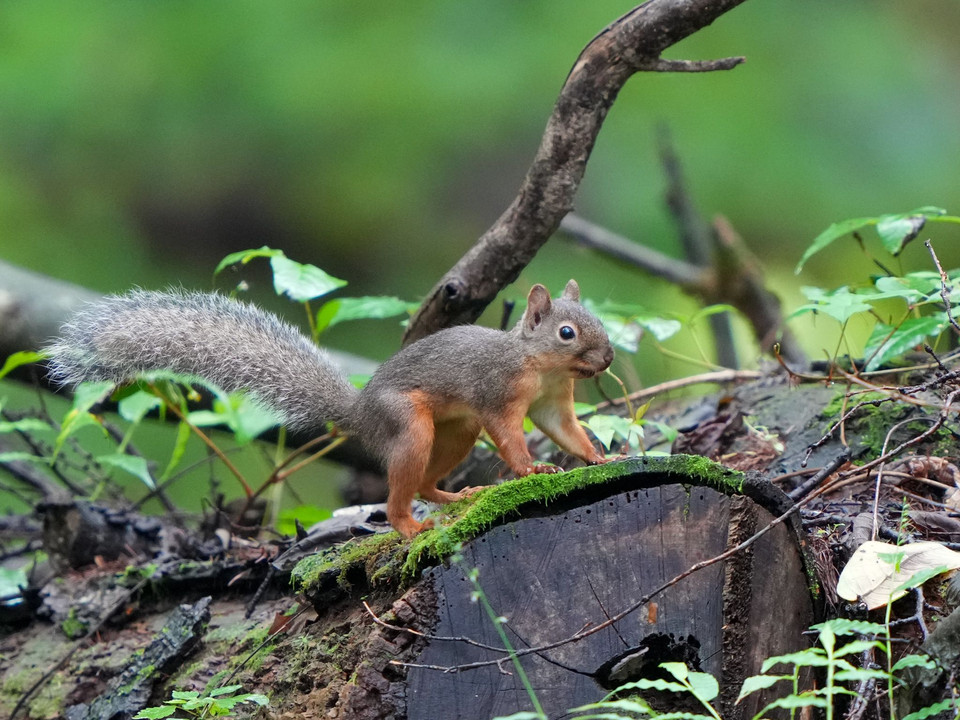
<point>546,469</point>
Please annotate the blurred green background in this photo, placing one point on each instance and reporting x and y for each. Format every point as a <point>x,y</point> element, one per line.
<point>141,142</point>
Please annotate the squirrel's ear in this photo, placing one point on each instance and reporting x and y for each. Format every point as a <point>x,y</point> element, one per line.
<point>572,291</point>
<point>538,304</point>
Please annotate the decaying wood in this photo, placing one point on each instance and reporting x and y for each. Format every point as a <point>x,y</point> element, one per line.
<point>631,44</point>
<point>130,691</point>
<point>575,563</point>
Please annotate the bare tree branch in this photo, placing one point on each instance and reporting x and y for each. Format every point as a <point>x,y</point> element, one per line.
<point>591,235</point>
<point>632,43</point>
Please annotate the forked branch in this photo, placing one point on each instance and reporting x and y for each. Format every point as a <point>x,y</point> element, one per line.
<point>630,44</point>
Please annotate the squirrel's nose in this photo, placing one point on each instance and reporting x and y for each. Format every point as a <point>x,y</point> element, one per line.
<point>607,357</point>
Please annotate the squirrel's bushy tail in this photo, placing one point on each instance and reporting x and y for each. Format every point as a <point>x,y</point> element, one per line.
<point>232,344</point>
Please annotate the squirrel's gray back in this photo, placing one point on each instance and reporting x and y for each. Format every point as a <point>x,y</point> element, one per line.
<point>235,345</point>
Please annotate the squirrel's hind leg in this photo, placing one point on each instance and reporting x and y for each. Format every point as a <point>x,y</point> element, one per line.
<point>407,460</point>
<point>452,442</point>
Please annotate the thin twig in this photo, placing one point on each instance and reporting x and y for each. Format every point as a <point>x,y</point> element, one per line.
<point>719,377</point>
<point>944,286</point>
<point>822,473</point>
<point>879,480</point>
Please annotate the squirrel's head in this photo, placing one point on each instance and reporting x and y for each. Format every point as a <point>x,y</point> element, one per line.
<point>565,335</point>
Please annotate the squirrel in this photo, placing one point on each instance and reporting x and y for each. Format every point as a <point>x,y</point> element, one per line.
<point>420,413</point>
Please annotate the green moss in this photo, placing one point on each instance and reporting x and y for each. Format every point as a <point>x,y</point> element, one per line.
<point>48,702</point>
<point>484,509</point>
<point>386,558</point>
<point>842,401</point>
<point>185,672</point>
<point>369,552</point>
<point>134,574</point>
<point>72,626</point>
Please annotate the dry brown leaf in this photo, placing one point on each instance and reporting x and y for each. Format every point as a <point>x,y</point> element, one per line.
<point>873,573</point>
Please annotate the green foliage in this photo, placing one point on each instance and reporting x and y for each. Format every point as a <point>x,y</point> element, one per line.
<point>895,231</point>
<point>184,705</point>
<point>834,661</point>
<point>15,360</point>
<point>334,312</point>
<point>300,282</point>
<point>625,322</point>
<point>918,297</point>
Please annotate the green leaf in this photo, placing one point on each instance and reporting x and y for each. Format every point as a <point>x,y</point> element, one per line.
<point>677,669</point>
<point>662,685</point>
<point>791,702</point>
<point>185,694</point>
<point>624,322</point>
<point>704,686</point>
<point>245,256</point>
<point>606,427</point>
<point>886,343</point>
<point>843,626</point>
<point>25,425</point>
<point>835,231</point>
<point>920,577</point>
<point>858,646</point>
<point>225,690</point>
<point>827,638</point>
<point>24,357</point>
<point>522,715</point>
<point>238,411</point>
<point>669,433</point>
<point>906,661</point>
<point>227,703</point>
<point>811,657</point>
<point>661,328</point>
<point>893,230</point>
<point>896,231</point>
<point>78,417</point>
<point>89,394</point>
<point>341,310</point>
<point>760,682</point>
<point>155,713</point>
<point>840,304</point>
<point>711,310</point>
<point>628,704</point>
<point>581,408</point>
<point>932,710</point>
<point>133,408</point>
<point>179,448</point>
<point>301,282</point>
<point>915,288</point>
<point>136,466</point>
<point>857,674</point>
<point>18,456</point>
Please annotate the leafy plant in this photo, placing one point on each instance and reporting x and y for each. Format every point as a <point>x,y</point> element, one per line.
<point>922,294</point>
<point>303,282</point>
<point>895,230</point>
<point>185,705</point>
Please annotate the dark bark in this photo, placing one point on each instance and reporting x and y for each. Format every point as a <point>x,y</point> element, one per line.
<point>631,44</point>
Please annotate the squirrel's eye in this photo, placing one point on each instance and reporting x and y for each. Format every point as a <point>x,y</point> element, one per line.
<point>567,333</point>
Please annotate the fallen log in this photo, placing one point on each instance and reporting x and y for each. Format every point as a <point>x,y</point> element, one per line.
<point>565,555</point>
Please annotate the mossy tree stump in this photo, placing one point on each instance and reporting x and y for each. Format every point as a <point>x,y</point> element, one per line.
<point>552,567</point>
